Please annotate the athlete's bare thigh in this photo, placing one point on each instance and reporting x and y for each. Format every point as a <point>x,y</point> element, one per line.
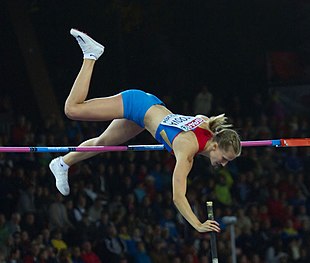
<point>118,132</point>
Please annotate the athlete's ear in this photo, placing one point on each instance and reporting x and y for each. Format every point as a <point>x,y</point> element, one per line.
<point>214,146</point>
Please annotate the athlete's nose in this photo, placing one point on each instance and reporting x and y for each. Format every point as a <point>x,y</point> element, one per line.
<point>223,163</point>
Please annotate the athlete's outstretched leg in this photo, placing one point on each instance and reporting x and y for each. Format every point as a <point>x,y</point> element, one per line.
<point>76,106</point>
<point>100,109</point>
<point>118,132</point>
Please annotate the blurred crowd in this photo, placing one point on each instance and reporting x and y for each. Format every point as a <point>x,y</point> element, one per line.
<point>120,207</point>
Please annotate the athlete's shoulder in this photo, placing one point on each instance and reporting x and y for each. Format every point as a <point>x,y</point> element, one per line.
<point>205,118</point>
<point>185,143</point>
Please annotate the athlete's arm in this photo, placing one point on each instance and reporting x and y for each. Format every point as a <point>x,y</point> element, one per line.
<point>184,153</point>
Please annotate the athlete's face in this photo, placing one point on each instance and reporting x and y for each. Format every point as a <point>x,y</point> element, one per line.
<point>220,157</point>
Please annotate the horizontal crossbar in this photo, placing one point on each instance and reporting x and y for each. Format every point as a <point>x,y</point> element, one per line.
<point>159,147</point>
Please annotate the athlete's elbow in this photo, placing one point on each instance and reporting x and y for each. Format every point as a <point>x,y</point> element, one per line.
<point>177,199</point>
<point>71,111</point>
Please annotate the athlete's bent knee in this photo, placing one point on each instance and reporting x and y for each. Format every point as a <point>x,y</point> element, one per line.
<point>99,141</point>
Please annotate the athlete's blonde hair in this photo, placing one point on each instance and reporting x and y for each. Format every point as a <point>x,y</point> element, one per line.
<point>223,135</point>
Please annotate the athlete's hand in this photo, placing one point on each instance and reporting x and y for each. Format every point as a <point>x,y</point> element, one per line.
<point>208,226</point>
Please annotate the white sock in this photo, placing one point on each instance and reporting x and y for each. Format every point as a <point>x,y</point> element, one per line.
<point>89,56</point>
<point>63,164</point>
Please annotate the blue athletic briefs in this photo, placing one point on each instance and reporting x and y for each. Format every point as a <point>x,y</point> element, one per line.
<point>136,103</point>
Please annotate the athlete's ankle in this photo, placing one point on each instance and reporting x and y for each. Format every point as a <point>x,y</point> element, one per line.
<point>63,164</point>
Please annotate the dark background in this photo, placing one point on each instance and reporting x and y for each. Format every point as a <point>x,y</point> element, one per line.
<point>165,47</point>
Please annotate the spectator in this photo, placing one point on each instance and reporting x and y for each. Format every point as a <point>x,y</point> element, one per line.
<point>140,191</point>
<point>89,191</point>
<point>275,208</point>
<point>4,230</point>
<point>88,255</point>
<point>95,210</point>
<point>46,237</point>
<point>19,130</point>
<point>203,101</point>
<point>58,216</point>
<point>130,203</point>
<point>168,223</point>
<point>244,222</point>
<point>32,255</point>
<point>102,224</point>
<point>15,256</point>
<point>116,207</point>
<point>13,224</point>
<point>127,185</point>
<point>129,241</point>
<point>141,255</point>
<point>69,205</point>
<point>80,208</point>
<point>276,252</point>
<point>113,247</point>
<point>26,202</point>
<point>289,231</point>
<point>222,190</point>
<point>76,255</point>
<point>8,191</point>
<point>30,225</point>
<point>99,180</point>
<point>43,201</point>
<point>158,252</point>
<point>146,212</point>
<point>64,256</point>
<point>57,240</point>
<point>157,174</point>
<point>85,229</point>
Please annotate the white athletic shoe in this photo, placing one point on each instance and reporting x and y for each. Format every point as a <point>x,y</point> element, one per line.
<point>91,49</point>
<point>60,175</point>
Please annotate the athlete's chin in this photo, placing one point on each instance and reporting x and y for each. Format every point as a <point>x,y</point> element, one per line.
<point>215,164</point>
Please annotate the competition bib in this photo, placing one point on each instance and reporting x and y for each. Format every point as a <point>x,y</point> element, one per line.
<point>185,123</point>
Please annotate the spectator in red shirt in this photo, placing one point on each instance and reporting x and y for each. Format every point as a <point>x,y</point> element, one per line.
<point>88,256</point>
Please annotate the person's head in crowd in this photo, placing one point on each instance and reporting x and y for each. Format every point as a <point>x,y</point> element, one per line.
<point>69,204</point>
<point>2,220</point>
<point>64,256</point>
<point>56,234</point>
<point>34,249</point>
<point>111,230</point>
<point>85,219</point>
<point>16,238</point>
<point>86,247</point>
<point>43,255</point>
<point>104,217</point>
<point>15,255</point>
<point>76,252</point>
<point>81,201</point>
<point>176,259</point>
<point>137,234</point>
<point>15,218</point>
<point>59,197</point>
<point>141,247</point>
<point>204,259</point>
<point>158,245</point>
<point>29,218</point>
<point>46,235</point>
